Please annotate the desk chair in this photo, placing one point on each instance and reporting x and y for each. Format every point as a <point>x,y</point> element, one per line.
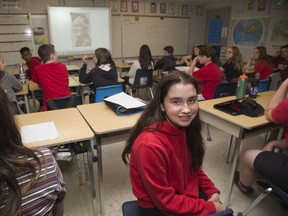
<point>106,91</point>
<point>273,187</point>
<point>131,208</point>
<point>143,80</point>
<point>222,90</point>
<point>264,85</point>
<point>78,147</point>
<point>275,82</point>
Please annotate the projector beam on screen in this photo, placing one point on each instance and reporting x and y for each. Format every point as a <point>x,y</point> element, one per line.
<point>77,31</point>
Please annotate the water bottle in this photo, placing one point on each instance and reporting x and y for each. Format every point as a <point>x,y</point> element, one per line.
<point>22,74</point>
<point>241,87</point>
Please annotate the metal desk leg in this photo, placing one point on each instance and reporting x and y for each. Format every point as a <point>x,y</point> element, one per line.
<point>33,97</point>
<point>238,147</point>
<point>91,175</point>
<point>100,173</point>
<point>27,103</point>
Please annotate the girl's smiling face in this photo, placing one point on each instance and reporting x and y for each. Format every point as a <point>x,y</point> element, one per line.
<point>180,105</point>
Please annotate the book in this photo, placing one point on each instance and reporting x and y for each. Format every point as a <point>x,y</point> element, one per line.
<point>124,104</point>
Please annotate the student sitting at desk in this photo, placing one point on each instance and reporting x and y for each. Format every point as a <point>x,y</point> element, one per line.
<point>260,62</point>
<point>145,61</point>
<point>166,152</point>
<point>209,75</point>
<point>234,66</point>
<point>103,74</point>
<point>189,58</point>
<point>281,63</point>
<point>31,62</point>
<point>266,162</point>
<point>31,181</point>
<point>10,84</point>
<point>168,61</point>
<point>52,75</point>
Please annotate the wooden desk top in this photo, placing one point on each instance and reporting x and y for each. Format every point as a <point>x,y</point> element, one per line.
<point>24,90</point>
<point>123,65</point>
<point>72,67</point>
<point>103,119</point>
<point>243,121</point>
<point>35,87</point>
<point>69,123</point>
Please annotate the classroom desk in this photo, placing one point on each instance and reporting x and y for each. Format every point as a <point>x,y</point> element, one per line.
<point>108,128</point>
<point>35,87</point>
<point>72,67</point>
<point>123,69</point>
<point>83,87</point>
<point>24,93</point>
<point>240,126</point>
<point>71,127</point>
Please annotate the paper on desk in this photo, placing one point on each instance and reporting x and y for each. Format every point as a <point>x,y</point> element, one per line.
<point>125,100</point>
<point>38,132</point>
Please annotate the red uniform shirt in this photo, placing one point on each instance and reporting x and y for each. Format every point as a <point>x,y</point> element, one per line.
<point>34,62</point>
<point>279,114</point>
<point>53,79</point>
<point>264,69</point>
<point>209,76</point>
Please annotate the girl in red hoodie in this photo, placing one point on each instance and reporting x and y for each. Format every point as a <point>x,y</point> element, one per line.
<point>166,150</point>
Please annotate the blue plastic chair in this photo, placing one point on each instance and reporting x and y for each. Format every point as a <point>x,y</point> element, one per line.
<point>106,91</point>
<point>225,89</point>
<point>143,80</point>
<point>131,208</point>
<point>264,85</point>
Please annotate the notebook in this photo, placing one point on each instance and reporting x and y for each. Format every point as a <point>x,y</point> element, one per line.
<point>231,107</point>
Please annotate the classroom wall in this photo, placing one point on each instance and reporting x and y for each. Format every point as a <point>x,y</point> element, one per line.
<point>273,18</point>
<point>223,14</point>
<point>196,16</point>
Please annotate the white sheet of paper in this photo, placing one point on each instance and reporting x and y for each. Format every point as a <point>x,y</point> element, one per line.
<point>125,100</point>
<point>38,132</point>
<point>200,97</point>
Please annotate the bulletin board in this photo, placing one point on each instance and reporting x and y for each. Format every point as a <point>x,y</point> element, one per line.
<point>15,31</point>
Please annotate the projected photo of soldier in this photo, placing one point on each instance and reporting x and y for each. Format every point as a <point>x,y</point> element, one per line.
<point>80,30</point>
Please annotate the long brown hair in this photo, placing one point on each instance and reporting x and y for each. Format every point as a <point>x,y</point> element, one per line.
<point>145,57</point>
<point>153,113</point>
<point>13,161</point>
<point>237,59</point>
<point>104,56</point>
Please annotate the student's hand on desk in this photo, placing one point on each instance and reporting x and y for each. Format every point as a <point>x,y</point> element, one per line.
<point>85,59</point>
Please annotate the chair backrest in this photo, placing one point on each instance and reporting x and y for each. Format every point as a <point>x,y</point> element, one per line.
<point>106,91</point>
<point>64,102</point>
<point>143,78</point>
<point>131,208</point>
<point>264,85</point>
<point>275,82</point>
<point>283,194</point>
<point>225,89</point>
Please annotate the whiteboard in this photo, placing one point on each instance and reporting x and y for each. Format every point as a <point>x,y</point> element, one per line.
<point>156,32</point>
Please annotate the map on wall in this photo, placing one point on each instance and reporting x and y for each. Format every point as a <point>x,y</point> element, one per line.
<point>280,31</point>
<point>249,32</point>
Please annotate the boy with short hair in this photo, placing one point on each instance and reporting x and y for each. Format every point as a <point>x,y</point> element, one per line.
<point>168,61</point>
<point>52,75</point>
<point>31,62</point>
